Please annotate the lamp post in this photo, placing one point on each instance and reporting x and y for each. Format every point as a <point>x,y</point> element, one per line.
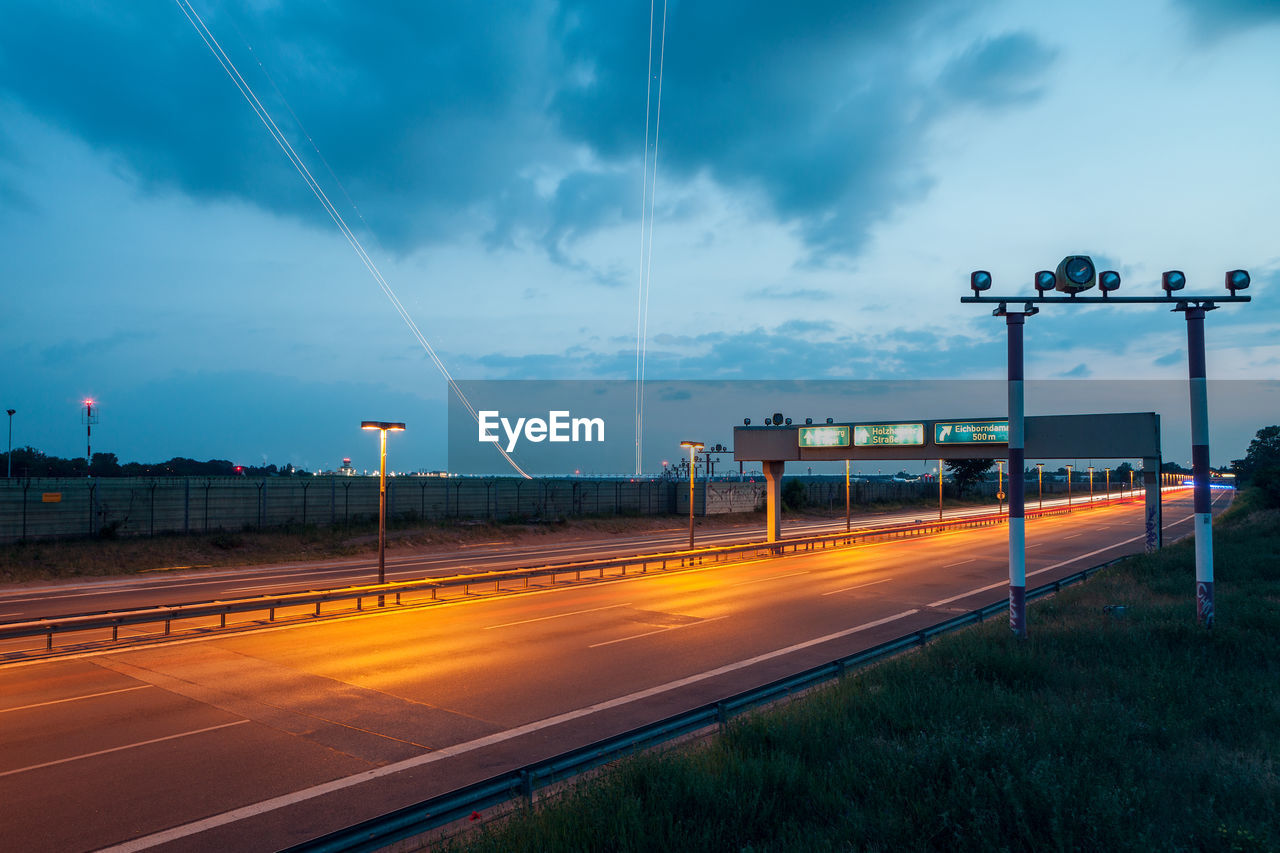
<point>1108,472</point>
<point>694,447</point>
<point>1000,486</point>
<point>1068,486</point>
<point>847,522</point>
<point>1040,480</point>
<point>1090,485</point>
<point>90,417</point>
<point>939,490</point>
<point>9,457</point>
<point>383,427</point>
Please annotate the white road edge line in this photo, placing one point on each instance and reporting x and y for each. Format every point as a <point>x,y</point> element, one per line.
<point>859,586</point>
<point>187,830</point>
<point>961,563</point>
<point>658,631</point>
<point>126,746</point>
<point>76,698</point>
<point>555,616</point>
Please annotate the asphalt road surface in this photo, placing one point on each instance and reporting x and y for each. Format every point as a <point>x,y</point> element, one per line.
<point>259,740</point>
<point>34,601</point>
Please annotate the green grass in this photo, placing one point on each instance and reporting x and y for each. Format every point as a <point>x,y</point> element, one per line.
<point>1096,733</point>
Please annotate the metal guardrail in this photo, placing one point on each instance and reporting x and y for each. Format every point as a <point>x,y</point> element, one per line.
<point>431,589</point>
<point>379,832</point>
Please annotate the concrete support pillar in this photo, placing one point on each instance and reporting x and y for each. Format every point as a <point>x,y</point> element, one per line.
<point>1154,514</point>
<point>773,499</point>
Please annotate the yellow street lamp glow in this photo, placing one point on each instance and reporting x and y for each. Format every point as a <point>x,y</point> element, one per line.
<point>694,447</point>
<point>383,428</point>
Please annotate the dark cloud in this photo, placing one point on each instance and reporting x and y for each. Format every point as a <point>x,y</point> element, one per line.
<point>818,107</point>
<point>794,350</point>
<point>520,121</point>
<point>997,72</point>
<point>1218,17</point>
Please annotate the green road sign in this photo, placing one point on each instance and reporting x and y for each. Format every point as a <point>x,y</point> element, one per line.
<point>824,436</point>
<point>971,432</point>
<point>888,435</point>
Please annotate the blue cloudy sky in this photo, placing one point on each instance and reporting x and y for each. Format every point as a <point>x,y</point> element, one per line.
<point>828,173</point>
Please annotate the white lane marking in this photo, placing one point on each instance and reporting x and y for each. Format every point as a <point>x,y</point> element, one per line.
<point>189,829</point>
<point>658,631</point>
<point>555,616</point>
<point>14,613</point>
<point>961,563</point>
<point>859,586</point>
<point>76,698</point>
<point>943,601</point>
<point>1037,545</point>
<point>1072,536</point>
<point>770,578</point>
<point>252,588</point>
<point>126,746</point>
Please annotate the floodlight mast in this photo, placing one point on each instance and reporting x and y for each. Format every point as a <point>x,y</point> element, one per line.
<point>1073,276</point>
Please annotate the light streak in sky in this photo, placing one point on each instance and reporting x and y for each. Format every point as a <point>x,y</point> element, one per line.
<point>648,186</point>
<point>265,117</point>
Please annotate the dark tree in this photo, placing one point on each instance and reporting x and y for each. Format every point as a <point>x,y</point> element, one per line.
<point>966,472</point>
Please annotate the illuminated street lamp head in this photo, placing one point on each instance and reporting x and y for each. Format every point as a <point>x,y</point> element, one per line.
<point>980,280</point>
<point>692,445</point>
<point>1075,274</point>
<point>1237,280</point>
<point>1173,280</point>
<point>391,426</point>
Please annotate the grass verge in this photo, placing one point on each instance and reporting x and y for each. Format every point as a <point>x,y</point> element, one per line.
<point>1096,733</point>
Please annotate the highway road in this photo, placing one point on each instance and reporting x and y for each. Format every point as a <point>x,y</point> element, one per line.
<point>34,601</point>
<point>258,740</point>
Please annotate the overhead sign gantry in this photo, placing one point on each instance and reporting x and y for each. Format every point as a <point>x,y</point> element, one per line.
<point>1129,435</point>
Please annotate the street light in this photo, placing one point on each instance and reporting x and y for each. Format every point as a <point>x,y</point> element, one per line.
<point>1000,485</point>
<point>694,447</point>
<point>383,427</point>
<point>939,490</point>
<point>1068,486</point>
<point>1090,485</point>
<point>1108,470</point>
<point>1040,478</point>
<point>11,413</point>
<point>847,523</point>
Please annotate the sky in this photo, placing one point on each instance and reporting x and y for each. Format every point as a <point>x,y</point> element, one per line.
<point>826,178</point>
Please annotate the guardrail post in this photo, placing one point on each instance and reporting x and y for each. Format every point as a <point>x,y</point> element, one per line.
<point>526,787</point>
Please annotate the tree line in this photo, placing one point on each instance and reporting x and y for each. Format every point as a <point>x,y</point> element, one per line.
<point>30,462</point>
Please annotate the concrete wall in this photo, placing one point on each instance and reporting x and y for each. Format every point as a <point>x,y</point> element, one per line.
<point>133,506</point>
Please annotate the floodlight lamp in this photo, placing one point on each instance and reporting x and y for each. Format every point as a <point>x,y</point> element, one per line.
<point>1237,280</point>
<point>1075,274</point>
<point>1045,280</point>
<point>808,421</point>
<point>831,420</point>
<point>980,280</point>
<point>777,419</point>
<point>746,421</point>
<point>1173,280</point>
<point>788,421</point>
<point>1108,281</point>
